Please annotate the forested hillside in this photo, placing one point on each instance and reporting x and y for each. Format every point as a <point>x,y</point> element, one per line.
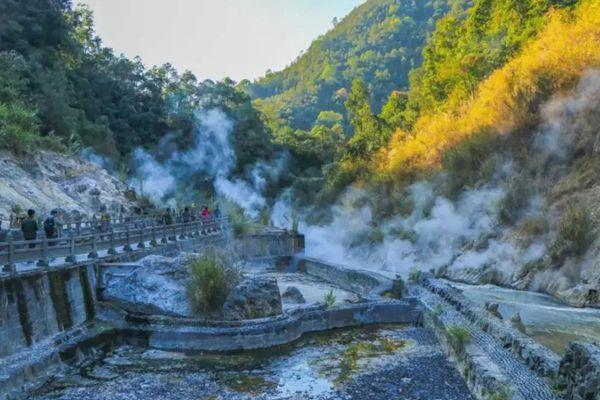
<point>60,88</point>
<point>379,43</point>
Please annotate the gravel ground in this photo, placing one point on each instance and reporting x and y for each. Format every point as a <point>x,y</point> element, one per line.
<point>312,368</point>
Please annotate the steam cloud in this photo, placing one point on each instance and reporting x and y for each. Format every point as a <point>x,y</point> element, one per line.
<point>212,157</point>
<point>464,233</point>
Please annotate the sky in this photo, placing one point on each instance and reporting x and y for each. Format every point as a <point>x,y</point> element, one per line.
<point>240,39</point>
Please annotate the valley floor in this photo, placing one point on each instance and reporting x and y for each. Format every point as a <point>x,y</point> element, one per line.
<point>315,367</point>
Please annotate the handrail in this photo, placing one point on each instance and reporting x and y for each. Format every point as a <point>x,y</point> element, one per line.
<point>104,243</point>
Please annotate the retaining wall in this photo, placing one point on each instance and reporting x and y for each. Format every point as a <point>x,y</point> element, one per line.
<point>536,356</point>
<point>43,302</point>
<point>580,371</point>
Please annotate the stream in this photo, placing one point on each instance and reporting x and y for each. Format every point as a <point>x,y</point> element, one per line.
<point>547,320</point>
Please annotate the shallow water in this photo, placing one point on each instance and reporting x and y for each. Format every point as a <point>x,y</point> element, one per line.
<point>349,364</point>
<point>547,320</point>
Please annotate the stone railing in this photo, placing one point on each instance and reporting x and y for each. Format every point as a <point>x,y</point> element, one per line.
<point>97,244</point>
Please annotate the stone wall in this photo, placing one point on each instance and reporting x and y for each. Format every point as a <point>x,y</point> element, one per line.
<point>580,372</point>
<point>537,357</point>
<point>368,284</point>
<point>41,303</point>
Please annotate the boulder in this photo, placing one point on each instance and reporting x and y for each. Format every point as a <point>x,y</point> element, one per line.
<point>293,295</point>
<point>516,322</point>
<point>493,309</point>
<point>154,285</point>
<point>254,297</point>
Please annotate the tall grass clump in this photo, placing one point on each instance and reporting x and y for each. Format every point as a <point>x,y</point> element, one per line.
<point>575,232</point>
<point>464,162</point>
<point>459,335</point>
<point>240,223</point>
<point>211,281</point>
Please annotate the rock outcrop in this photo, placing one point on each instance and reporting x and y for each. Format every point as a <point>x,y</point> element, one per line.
<point>155,285</point>
<point>48,180</point>
<point>293,295</point>
<point>254,297</point>
<point>580,371</point>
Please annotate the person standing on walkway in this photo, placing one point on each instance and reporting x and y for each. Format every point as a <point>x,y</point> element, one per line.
<point>168,217</point>
<point>29,227</point>
<point>186,215</point>
<point>51,228</point>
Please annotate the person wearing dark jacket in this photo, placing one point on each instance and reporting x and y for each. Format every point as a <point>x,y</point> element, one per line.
<point>50,228</point>
<point>168,217</point>
<point>30,227</point>
<point>186,215</point>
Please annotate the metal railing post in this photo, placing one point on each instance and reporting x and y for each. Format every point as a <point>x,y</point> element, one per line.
<point>94,252</point>
<point>165,238</point>
<point>71,258</point>
<point>10,266</point>
<point>43,261</point>
<point>182,233</point>
<point>112,250</point>
<point>153,242</point>
<point>127,246</point>
<point>141,243</point>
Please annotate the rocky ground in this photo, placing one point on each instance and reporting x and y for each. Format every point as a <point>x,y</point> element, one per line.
<point>366,363</point>
<point>48,180</point>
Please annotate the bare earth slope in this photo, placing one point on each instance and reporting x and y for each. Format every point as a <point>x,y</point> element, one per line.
<point>50,180</point>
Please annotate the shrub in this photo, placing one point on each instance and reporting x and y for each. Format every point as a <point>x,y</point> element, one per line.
<point>517,195</point>
<point>502,394</point>
<point>460,336</point>
<point>240,223</point>
<point>330,299</point>
<point>376,236</point>
<point>211,281</point>
<point>413,275</point>
<point>464,162</point>
<point>574,232</point>
<point>438,310</point>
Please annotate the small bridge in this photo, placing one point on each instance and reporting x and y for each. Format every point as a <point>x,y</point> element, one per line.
<point>89,243</point>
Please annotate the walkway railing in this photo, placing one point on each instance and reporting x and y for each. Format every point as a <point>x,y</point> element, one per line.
<point>93,245</point>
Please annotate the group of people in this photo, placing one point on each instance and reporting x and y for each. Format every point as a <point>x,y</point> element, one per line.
<point>189,215</point>
<point>30,224</point>
<point>30,227</point>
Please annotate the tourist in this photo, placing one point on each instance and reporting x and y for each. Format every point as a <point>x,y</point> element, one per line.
<point>186,215</point>
<point>205,214</point>
<point>104,222</point>
<point>217,212</point>
<point>51,228</point>
<point>29,227</point>
<point>168,217</point>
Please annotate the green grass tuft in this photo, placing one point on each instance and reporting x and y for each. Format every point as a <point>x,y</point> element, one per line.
<point>210,283</point>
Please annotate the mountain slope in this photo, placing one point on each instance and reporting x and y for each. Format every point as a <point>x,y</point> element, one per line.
<point>379,42</point>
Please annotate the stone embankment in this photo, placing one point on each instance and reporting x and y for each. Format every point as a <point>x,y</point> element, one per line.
<point>580,372</point>
<point>496,358</point>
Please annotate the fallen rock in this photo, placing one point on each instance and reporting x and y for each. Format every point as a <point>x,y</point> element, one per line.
<point>293,295</point>
<point>493,309</point>
<point>516,322</point>
<point>154,285</point>
<point>255,297</point>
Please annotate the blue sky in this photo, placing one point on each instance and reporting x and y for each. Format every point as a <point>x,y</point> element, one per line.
<point>216,38</point>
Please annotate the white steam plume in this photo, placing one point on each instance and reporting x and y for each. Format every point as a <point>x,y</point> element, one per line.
<point>212,156</point>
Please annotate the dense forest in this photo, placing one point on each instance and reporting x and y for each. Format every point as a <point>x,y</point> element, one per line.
<point>378,43</point>
<point>393,91</point>
<point>60,88</point>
